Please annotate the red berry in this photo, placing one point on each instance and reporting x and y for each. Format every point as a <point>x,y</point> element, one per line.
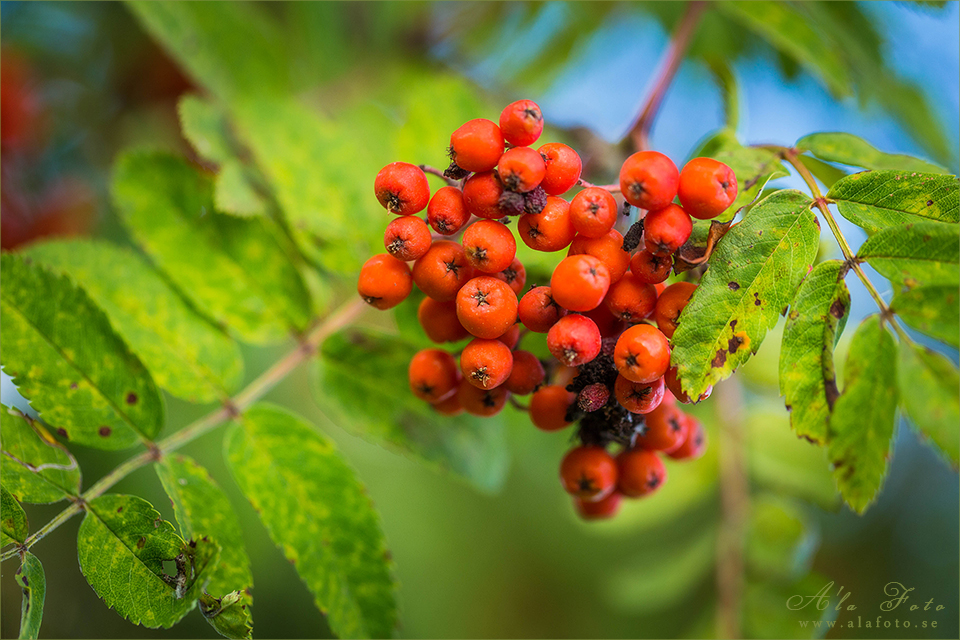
<point>511,337</point>
<point>593,212</point>
<point>706,188</point>
<point>538,310</point>
<point>593,397</point>
<point>631,300</point>
<point>481,402</point>
<point>608,248</point>
<point>588,472</point>
<point>694,441</point>
<point>664,429</point>
<point>665,230</point>
<point>600,509</point>
<point>447,212</point>
<point>439,321</point>
<point>476,145</point>
<point>486,307</point>
<point>649,267</point>
<point>486,363</point>
<point>574,340</point>
<point>649,179</point>
<point>549,230</point>
<point>489,246</point>
<point>402,188</point>
<point>433,375</point>
<point>515,275</point>
<point>527,373</point>
<point>609,325</point>
<point>579,283</point>
<point>673,384</point>
<point>548,407</point>
<point>521,123</point>
<point>563,168</point>
<point>481,195</point>
<point>521,169</point>
<point>442,271</point>
<point>669,305</point>
<point>638,397</point>
<point>407,238</point>
<point>384,281</point>
<point>449,407</point>
<point>642,353</point>
<point>640,472</point>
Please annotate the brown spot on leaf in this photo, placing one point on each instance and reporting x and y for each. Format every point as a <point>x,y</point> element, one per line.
<point>74,385</point>
<point>131,398</point>
<point>734,343</point>
<point>141,542</point>
<point>733,286</point>
<point>837,309</point>
<point>831,391</point>
<point>119,509</point>
<point>756,298</point>
<point>63,432</point>
<point>929,203</point>
<point>719,359</point>
<point>104,431</point>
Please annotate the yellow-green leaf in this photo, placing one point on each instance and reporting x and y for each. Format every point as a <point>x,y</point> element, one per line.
<point>35,467</point>
<point>931,310</point>
<point>32,581</point>
<point>916,254</point>
<point>847,148</point>
<point>13,521</point>
<point>928,384</point>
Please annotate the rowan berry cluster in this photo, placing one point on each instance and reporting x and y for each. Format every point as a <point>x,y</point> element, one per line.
<point>607,314</point>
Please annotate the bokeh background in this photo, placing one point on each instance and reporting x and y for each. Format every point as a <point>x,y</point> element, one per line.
<point>80,81</point>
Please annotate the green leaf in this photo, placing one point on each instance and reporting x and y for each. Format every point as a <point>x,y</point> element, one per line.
<point>781,542</point>
<point>847,148</point>
<point>66,359</point>
<point>754,273</point>
<point>877,199</point>
<point>862,422</point>
<point>35,467</point>
<point>13,523</point>
<point>186,355</point>
<point>789,31</point>
<point>319,514</point>
<point>766,614</point>
<point>928,384</point>
<point>917,254</point>
<point>202,509</point>
<point>122,545</point>
<point>31,579</point>
<point>235,270</point>
<point>229,615</point>
<point>357,365</point>
<point>932,311</point>
<point>753,167</point>
<point>234,194</point>
<point>807,377</point>
<point>779,460</point>
<point>232,49</point>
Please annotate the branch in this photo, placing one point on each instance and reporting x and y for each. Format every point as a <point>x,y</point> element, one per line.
<point>439,173</point>
<point>640,131</point>
<point>231,409</point>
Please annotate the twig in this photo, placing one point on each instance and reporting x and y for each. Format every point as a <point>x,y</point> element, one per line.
<point>231,409</point>
<point>615,188</point>
<point>640,131</point>
<point>439,173</point>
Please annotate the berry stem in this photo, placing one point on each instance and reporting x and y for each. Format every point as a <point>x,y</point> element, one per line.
<point>640,131</point>
<point>734,506</point>
<point>614,188</point>
<point>307,346</point>
<point>439,173</point>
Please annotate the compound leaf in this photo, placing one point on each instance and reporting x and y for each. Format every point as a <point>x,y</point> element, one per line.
<point>862,422</point>
<point>34,467</point>
<point>353,368</point>
<point>847,148</point>
<point>931,310</point>
<point>320,516</point>
<point>928,384</point>
<point>916,254</point>
<point>186,355</point>
<point>236,270</point>
<point>807,376</point>
<point>202,509</point>
<point>67,360</point>
<point>754,273</point>
<point>32,580</point>
<point>873,200</point>
<point>13,521</point>
<point>122,545</point>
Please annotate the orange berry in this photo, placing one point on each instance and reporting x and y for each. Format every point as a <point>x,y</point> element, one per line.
<point>642,353</point>
<point>476,145</point>
<point>649,179</point>
<point>433,375</point>
<point>548,407</point>
<point>549,230</point>
<point>563,168</point>
<point>439,321</point>
<point>521,123</point>
<point>486,363</point>
<point>630,299</point>
<point>486,307</point>
<point>706,188</point>
<point>640,473</point>
<point>593,212</point>
<point>527,373</point>
<point>384,281</point>
<point>521,169</point>
<point>669,305</point>
<point>608,248</point>
<point>580,282</point>
<point>489,246</point>
<point>442,270</point>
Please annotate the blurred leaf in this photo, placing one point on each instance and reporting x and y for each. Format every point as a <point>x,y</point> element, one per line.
<point>727,81</point>
<point>122,545</point>
<point>808,380</point>
<point>877,199</point>
<point>825,173</point>
<point>233,49</point>
<point>229,615</point>
<point>53,473</point>
<point>754,273</point>
<point>32,581</point>
<point>65,358</point>
<point>754,167</point>
<point>778,459</point>
<point>847,148</point>
<point>932,310</point>
<point>236,270</point>
<point>789,31</point>
<point>766,614</point>
<point>13,525</point>
<point>320,516</point>
<point>357,365</point>
<point>928,384</point>
<point>659,577</point>
<point>202,509</point>
<point>781,540</point>
<point>862,422</point>
<point>186,355</point>
<point>918,254</point>
<point>232,193</point>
